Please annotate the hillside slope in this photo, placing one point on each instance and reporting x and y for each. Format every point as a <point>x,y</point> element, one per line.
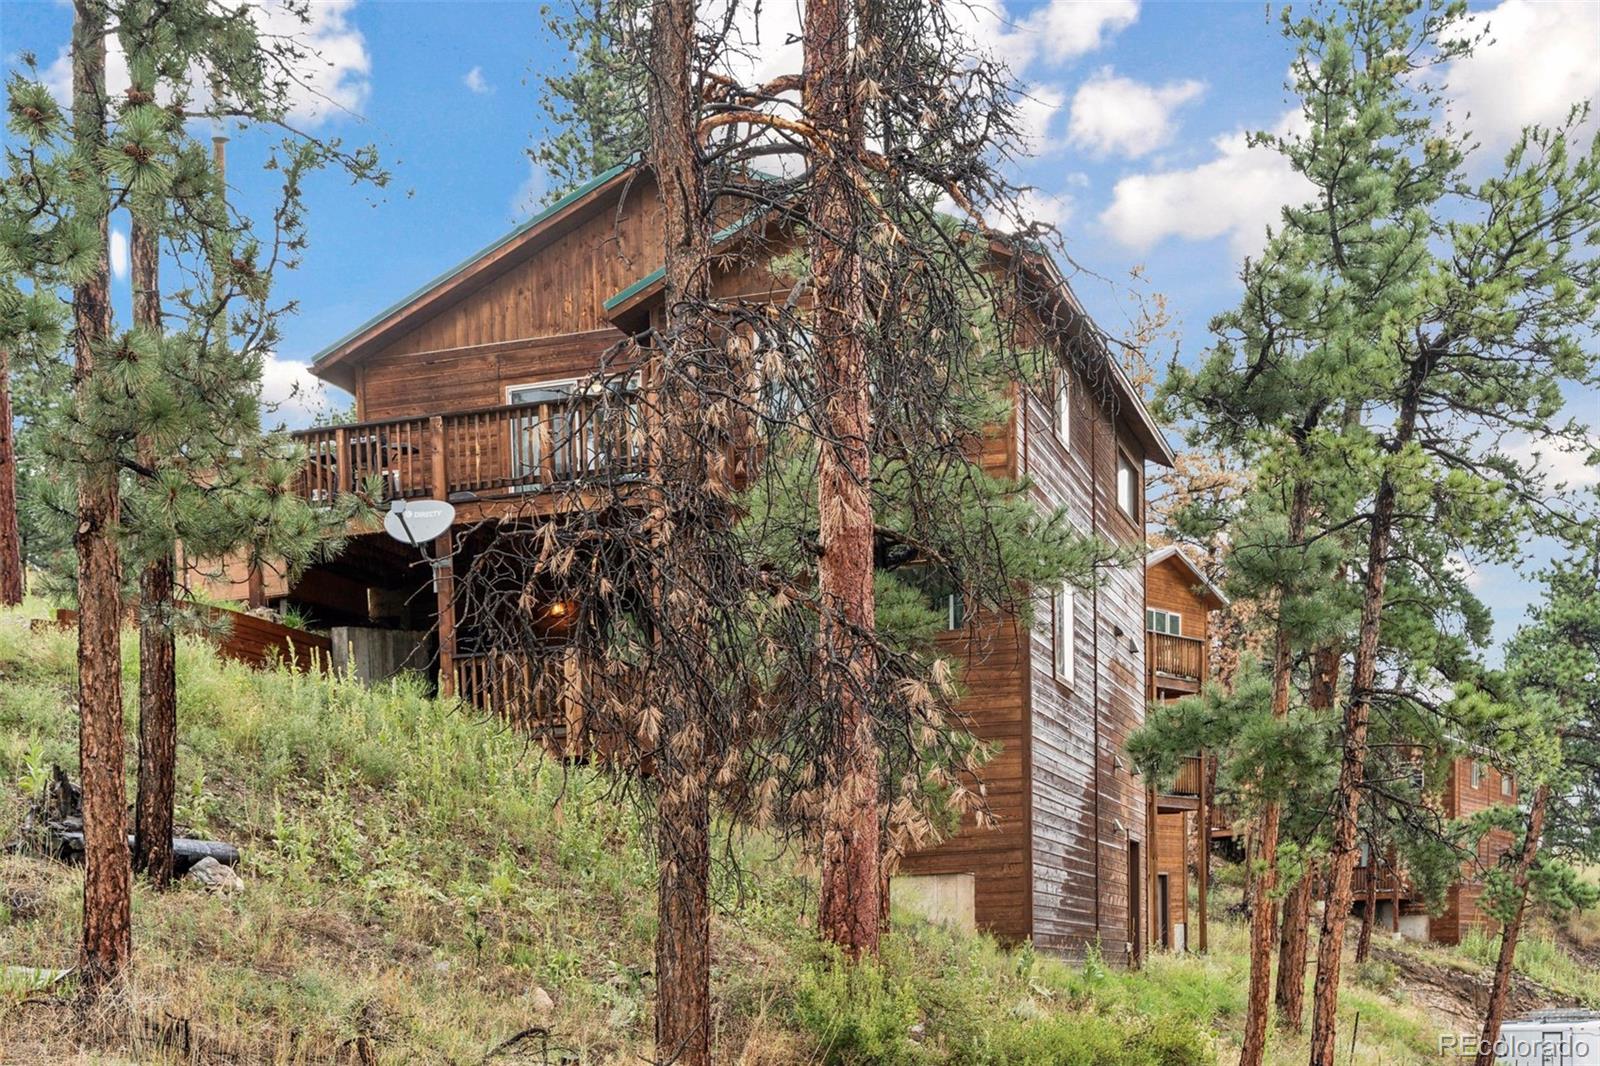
<point>422,888</point>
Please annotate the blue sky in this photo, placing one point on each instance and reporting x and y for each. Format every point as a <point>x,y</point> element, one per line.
<point>1138,111</point>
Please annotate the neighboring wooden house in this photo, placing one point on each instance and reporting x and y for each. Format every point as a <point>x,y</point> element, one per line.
<point>1471,785</point>
<point>462,390</point>
<point>1179,599</point>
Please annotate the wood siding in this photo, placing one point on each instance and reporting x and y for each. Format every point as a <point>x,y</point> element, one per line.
<point>1172,859</point>
<point>1463,910</point>
<point>1088,808</point>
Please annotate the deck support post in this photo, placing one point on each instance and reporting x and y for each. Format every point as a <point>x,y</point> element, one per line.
<point>444,573</point>
<point>1203,831</point>
<point>444,585</point>
<point>1152,864</point>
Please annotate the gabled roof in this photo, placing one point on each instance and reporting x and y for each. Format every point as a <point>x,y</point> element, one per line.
<point>475,270</point>
<point>1172,551</point>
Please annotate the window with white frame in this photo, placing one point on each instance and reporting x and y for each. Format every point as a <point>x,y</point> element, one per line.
<point>1507,786</point>
<point>1127,486</point>
<point>1477,774</point>
<point>1168,622</point>
<point>1365,858</point>
<point>1064,407</point>
<point>1066,603</point>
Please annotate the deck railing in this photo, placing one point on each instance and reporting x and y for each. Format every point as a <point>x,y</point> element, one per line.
<point>1187,783</point>
<point>542,701</point>
<point>1176,656</point>
<point>479,454</point>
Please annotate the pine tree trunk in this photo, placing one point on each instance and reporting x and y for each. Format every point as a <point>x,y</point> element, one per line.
<point>1293,944</point>
<point>11,589</point>
<point>107,937</point>
<point>849,911</point>
<point>1352,769</point>
<point>158,681</point>
<point>1263,908</point>
<point>683,934</point>
<point>1369,907</point>
<point>1291,990</point>
<point>1500,989</point>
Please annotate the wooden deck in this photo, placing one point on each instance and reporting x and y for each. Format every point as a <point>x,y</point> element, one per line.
<point>504,453</point>
<point>1176,658</point>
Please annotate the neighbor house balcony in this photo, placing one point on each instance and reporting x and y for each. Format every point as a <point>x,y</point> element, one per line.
<point>1175,659</point>
<point>505,453</point>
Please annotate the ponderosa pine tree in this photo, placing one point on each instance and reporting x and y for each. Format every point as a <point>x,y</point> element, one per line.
<point>163,441</point>
<point>1541,720</point>
<point>1460,308</point>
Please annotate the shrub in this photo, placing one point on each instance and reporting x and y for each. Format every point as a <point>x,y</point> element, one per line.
<point>858,1014</point>
<point>1100,1040</point>
<point>1378,976</point>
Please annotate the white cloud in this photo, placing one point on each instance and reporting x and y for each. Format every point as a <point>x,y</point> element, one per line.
<point>1539,59</point>
<point>119,254</point>
<point>290,395</point>
<point>1112,114</point>
<point>475,81</point>
<point>1237,194</point>
<point>1062,30</point>
<point>1561,462</point>
<point>333,78</point>
<point>526,201</point>
<point>1036,114</point>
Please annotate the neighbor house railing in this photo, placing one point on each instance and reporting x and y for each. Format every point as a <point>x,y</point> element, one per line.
<point>485,453</point>
<point>1176,656</point>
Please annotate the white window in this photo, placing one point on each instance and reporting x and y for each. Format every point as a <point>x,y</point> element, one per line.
<point>1168,622</point>
<point>1366,855</point>
<point>1066,603</point>
<point>1064,408</point>
<point>1477,774</point>
<point>1127,486</point>
<point>1507,786</point>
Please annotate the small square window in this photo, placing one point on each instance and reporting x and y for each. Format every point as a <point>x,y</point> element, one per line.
<point>1066,611</point>
<point>1127,486</point>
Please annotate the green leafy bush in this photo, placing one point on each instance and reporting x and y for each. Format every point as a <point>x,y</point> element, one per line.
<point>858,1014</point>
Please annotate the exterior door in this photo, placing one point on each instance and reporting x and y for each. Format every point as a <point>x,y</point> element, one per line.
<point>1163,912</point>
<point>539,428</point>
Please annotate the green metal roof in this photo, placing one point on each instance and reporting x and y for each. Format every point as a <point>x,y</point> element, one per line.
<point>581,191</point>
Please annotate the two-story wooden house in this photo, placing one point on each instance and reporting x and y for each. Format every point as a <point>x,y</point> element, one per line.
<point>463,392</point>
<point>1179,599</point>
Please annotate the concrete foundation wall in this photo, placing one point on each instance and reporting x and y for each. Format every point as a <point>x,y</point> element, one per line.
<point>379,654</point>
<point>947,899</point>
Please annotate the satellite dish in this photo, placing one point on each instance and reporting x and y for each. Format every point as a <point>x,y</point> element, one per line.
<point>417,522</point>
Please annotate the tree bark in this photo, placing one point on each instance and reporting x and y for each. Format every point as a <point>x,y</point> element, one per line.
<point>849,909</point>
<point>1263,908</point>
<point>11,590</point>
<point>1293,943</point>
<point>1352,770</point>
<point>1291,991</point>
<point>1500,988</point>
<point>683,935</point>
<point>107,938</point>
<point>158,681</point>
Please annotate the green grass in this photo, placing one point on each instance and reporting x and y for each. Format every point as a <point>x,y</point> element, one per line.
<point>1541,959</point>
<point>417,881</point>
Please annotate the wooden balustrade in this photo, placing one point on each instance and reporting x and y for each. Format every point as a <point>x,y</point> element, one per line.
<point>1187,783</point>
<point>1176,656</point>
<point>488,453</point>
<point>541,701</point>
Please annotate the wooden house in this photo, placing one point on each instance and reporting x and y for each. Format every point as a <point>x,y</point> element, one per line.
<point>1471,785</point>
<point>460,389</point>
<point>1179,599</point>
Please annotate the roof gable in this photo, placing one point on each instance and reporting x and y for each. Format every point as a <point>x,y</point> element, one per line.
<point>1214,596</point>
